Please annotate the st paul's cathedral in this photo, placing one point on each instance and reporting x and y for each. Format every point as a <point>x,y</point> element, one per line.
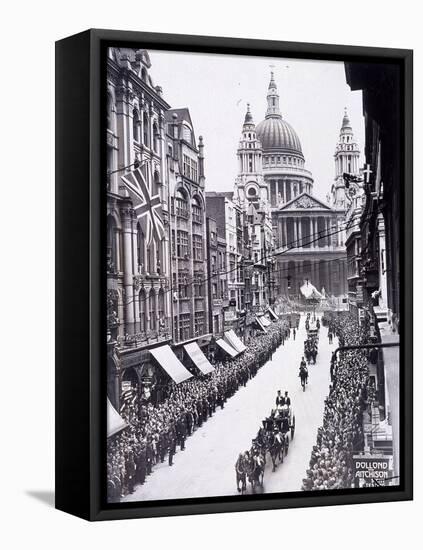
<point>308,233</point>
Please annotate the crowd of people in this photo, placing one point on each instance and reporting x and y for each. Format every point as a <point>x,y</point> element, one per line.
<point>341,435</point>
<point>154,433</point>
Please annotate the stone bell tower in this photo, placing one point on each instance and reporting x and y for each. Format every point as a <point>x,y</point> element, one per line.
<point>249,184</point>
<point>347,156</point>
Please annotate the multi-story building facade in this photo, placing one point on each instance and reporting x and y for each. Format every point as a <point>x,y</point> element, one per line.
<point>138,267</point>
<point>227,214</point>
<point>186,185</point>
<point>252,195</point>
<point>348,186</point>
<point>381,243</point>
<point>217,277</point>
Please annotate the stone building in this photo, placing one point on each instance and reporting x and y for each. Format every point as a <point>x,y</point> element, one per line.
<point>349,186</point>
<point>217,277</point>
<point>138,267</point>
<point>186,186</point>
<point>228,215</point>
<point>252,195</point>
<point>309,236</point>
<point>380,227</point>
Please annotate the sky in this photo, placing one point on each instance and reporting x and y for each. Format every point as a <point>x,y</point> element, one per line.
<point>216,89</point>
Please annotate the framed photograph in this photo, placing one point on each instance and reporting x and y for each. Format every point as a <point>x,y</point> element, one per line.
<point>234,274</point>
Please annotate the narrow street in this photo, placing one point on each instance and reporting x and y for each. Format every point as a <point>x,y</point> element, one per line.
<point>206,466</point>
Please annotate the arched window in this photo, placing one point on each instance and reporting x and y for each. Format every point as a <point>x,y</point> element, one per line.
<point>136,125</point>
<point>181,204</point>
<point>146,132</point>
<point>112,260</point>
<point>152,309</point>
<point>156,136</point>
<point>156,181</point>
<point>197,211</point>
<point>161,305</point>
<point>143,310</point>
<point>110,117</point>
<point>186,133</point>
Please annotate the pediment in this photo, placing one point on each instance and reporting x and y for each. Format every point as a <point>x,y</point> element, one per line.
<point>305,202</point>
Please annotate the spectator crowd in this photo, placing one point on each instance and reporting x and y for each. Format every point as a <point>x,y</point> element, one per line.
<point>155,432</point>
<point>341,436</point>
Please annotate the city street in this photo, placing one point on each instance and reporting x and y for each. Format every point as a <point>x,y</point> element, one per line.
<point>206,466</point>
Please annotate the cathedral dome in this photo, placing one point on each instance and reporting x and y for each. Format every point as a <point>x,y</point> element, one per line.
<point>275,134</point>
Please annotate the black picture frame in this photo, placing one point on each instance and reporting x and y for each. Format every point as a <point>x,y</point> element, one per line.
<point>80,283</point>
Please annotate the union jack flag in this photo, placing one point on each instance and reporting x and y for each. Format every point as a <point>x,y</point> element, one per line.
<point>148,207</point>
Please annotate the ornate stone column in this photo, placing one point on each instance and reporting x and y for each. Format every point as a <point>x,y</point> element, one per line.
<point>328,231</point>
<point>285,231</point>
<point>300,232</point>
<point>295,243</point>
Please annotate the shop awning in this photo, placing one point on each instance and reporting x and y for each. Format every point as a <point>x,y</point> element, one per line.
<point>115,423</point>
<point>170,363</point>
<point>198,357</point>
<point>260,324</point>
<point>272,313</point>
<point>265,321</point>
<point>234,341</point>
<point>227,348</point>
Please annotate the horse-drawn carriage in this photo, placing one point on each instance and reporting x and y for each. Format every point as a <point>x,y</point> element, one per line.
<point>311,349</point>
<point>281,419</point>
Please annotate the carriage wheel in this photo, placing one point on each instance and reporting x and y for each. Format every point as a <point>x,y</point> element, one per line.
<point>293,428</point>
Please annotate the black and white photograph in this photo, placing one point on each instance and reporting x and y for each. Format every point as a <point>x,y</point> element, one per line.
<point>253,275</point>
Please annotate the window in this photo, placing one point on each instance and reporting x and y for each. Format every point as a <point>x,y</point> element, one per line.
<point>156,136</point>
<point>184,326</point>
<point>152,309</point>
<point>161,304</point>
<point>190,168</point>
<point>197,245</point>
<point>197,211</point>
<point>136,125</point>
<point>181,243</point>
<point>181,204</point>
<point>214,290</point>
<point>110,120</point>
<point>187,134</point>
<point>183,285</point>
<point>198,284</point>
<point>145,123</point>
<point>199,323</point>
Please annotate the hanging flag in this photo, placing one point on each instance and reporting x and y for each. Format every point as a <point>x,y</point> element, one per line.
<point>147,206</point>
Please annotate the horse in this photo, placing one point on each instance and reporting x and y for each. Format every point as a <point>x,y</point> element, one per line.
<point>256,471</point>
<point>303,376</point>
<point>241,468</point>
<point>275,448</point>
